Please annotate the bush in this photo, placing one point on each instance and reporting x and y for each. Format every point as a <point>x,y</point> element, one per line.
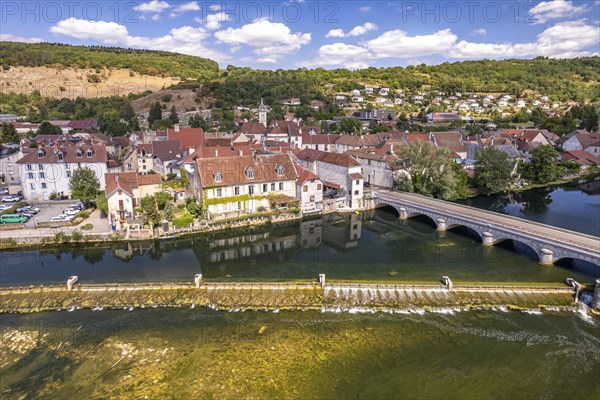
<point>166,98</point>
<point>83,214</point>
<point>53,196</point>
<point>181,206</point>
<point>87,227</point>
<point>76,235</point>
<point>61,237</point>
<point>184,221</point>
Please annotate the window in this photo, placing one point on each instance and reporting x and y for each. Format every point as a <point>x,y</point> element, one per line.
<point>272,187</point>
<point>265,188</point>
<point>218,176</point>
<point>42,175</point>
<point>30,175</point>
<point>67,166</point>
<point>29,167</point>
<point>312,198</point>
<point>357,181</point>
<point>356,192</point>
<point>369,162</point>
<point>318,186</point>
<point>144,161</point>
<point>251,190</point>
<point>90,153</point>
<point>79,153</point>
<point>144,153</point>
<point>144,167</point>
<point>32,186</point>
<point>236,191</point>
<point>219,192</point>
<point>279,170</point>
<point>129,166</point>
<point>68,174</point>
<point>41,153</point>
<point>280,185</point>
<point>43,185</point>
<point>60,156</point>
<point>305,188</point>
<point>250,173</point>
<point>41,167</point>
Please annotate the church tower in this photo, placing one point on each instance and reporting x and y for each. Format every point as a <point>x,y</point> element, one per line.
<point>262,113</point>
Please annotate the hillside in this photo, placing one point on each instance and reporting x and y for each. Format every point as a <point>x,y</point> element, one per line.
<point>145,62</point>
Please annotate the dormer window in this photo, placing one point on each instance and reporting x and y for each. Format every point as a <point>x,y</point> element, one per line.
<point>60,156</point>
<point>250,173</point>
<point>143,152</point>
<point>279,170</point>
<point>90,153</point>
<point>41,153</point>
<point>218,177</point>
<point>79,153</point>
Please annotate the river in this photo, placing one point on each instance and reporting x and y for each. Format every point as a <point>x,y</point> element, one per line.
<point>201,353</point>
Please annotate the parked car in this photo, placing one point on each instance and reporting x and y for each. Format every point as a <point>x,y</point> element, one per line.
<point>13,218</point>
<point>69,217</point>
<point>79,205</point>
<point>11,199</point>
<point>4,191</point>
<point>26,213</point>
<point>71,211</point>
<point>33,209</point>
<point>59,218</point>
<point>4,207</point>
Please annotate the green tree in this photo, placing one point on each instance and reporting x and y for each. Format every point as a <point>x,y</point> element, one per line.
<point>8,134</point>
<point>543,167</point>
<point>155,113</point>
<point>492,171</point>
<point>169,211</point>
<point>84,184</point>
<point>46,128</point>
<point>173,117</point>
<point>430,169</point>
<point>185,181</point>
<point>162,198</point>
<point>111,123</point>
<point>350,125</point>
<point>150,213</point>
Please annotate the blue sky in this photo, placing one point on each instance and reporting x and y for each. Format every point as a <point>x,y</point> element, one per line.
<point>295,33</point>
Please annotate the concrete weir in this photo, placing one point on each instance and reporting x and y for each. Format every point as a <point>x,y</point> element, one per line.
<point>317,295</point>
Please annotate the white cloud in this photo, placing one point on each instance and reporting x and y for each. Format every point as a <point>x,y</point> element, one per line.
<point>398,44</point>
<point>356,31</point>
<point>340,55</point>
<point>213,21</point>
<point>479,32</point>
<point>7,37</point>
<point>563,40</point>
<point>547,10</point>
<point>214,7</point>
<point>185,39</point>
<point>335,33</point>
<point>268,38</point>
<point>365,9</point>
<point>153,6</point>
<point>106,32</point>
<point>185,7</point>
<point>155,17</point>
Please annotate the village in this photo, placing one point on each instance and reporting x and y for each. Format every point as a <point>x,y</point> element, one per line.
<point>277,168</point>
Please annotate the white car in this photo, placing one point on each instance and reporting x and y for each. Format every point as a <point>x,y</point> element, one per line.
<point>71,211</point>
<point>4,207</point>
<point>58,218</point>
<point>11,199</point>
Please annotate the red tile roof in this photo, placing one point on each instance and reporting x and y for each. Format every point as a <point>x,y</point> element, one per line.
<point>581,156</point>
<point>188,137</point>
<point>304,175</point>
<point>50,153</point>
<point>127,181</point>
<point>253,128</point>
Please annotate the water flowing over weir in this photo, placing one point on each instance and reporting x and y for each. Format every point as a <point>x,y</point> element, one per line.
<point>291,296</point>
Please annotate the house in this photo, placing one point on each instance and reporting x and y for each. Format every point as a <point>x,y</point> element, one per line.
<point>594,148</point>
<point>309,189</point>
<point>355,92</point>
<point>581,157</point>
<point>351,142</point>
<point>453,141</point>
<point>378,166</point>
<point>323,141</point>
<point>339,172</point>
<point>125,191</point>
<point>163,152</point>
<point>521,103</point>
<point>357,99</point>
<point>442,117</point>
<point>368,90</point>
<point>189,138</point>
<point>384,91</point>
<point>48,168</point>
<point>233,186</point>
<point>579,140</point>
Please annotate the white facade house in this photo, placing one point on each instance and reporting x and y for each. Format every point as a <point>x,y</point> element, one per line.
<point>48,169</point>
<point>309,189</point>
<point>377,169</point>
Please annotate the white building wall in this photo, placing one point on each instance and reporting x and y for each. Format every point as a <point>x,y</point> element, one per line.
<point>311,199</point>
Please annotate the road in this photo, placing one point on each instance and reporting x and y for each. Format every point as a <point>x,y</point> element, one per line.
<point>501,221</point>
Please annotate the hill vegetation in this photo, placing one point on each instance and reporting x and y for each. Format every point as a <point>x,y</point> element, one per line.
<point>147,62</point>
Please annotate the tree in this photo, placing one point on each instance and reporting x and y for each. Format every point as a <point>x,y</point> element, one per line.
<point>162,198</point>
<point>84,184</point>
<point>430,170</point>
<point>543,167</point>
<point>150,214</point>
<point>493,171</point>
<point>173,117</point>
<point>111,123</point>
<point>185,181</point>
<point>155,113</point>
<point>8,134</point>
<point>350,125</point>
<point>46,128</point>
<point>169,211</point>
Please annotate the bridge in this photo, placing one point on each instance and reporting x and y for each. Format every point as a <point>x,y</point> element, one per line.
<point>549,242</point>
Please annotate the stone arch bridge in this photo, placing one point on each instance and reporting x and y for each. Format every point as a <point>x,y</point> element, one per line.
<point>550,243</point>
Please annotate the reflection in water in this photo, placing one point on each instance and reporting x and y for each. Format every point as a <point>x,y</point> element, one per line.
<point>375,245</point>
<point>534,202</point>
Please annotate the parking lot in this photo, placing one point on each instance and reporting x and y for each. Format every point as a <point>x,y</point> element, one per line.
<point>47,211</point>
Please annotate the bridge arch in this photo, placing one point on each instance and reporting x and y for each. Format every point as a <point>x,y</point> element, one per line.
<point>465,230</point>
<point>519,247</point>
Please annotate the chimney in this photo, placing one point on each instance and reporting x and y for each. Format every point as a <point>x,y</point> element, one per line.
<point>176,126</point>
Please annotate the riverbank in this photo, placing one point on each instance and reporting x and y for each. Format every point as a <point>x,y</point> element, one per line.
<point>335,297</point>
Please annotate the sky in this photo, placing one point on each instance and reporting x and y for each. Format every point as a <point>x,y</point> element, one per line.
<point>301,33</point>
